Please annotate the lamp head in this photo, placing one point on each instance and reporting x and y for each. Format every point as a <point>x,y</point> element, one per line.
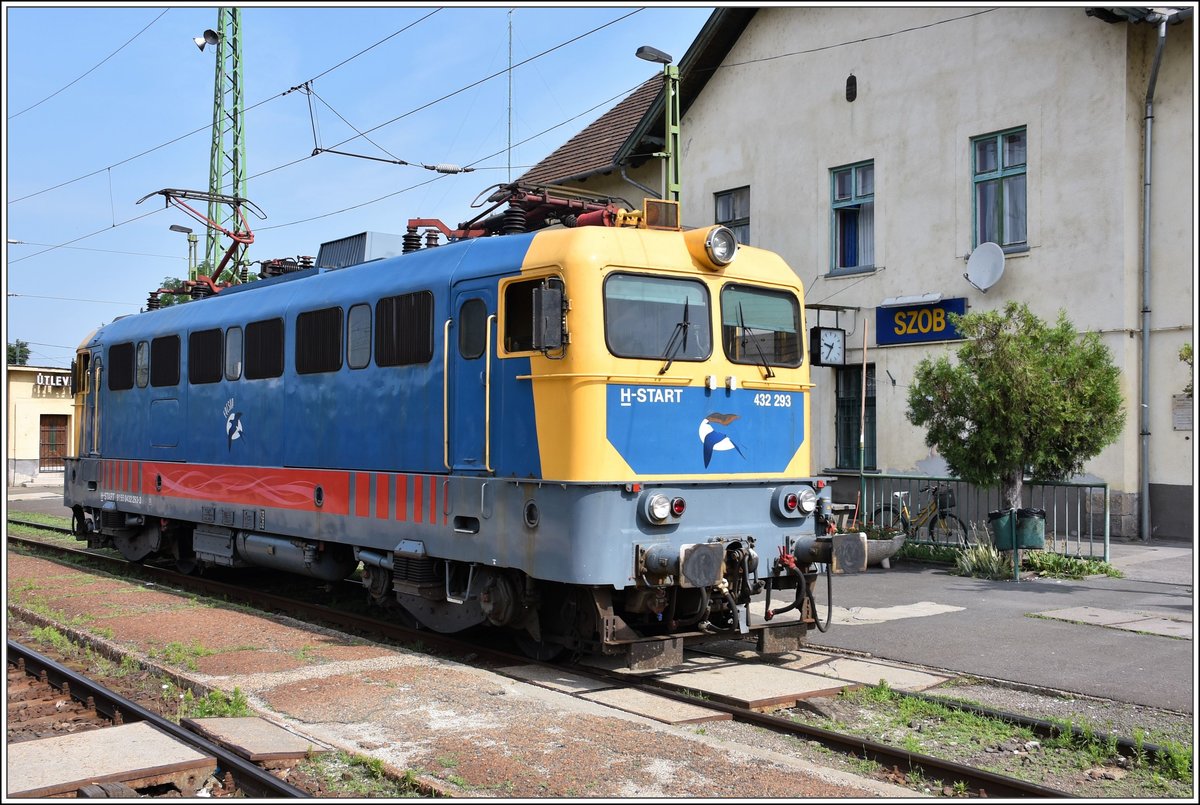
<point>653,54</point>
<point>180,228</point>
<point>210,37</point>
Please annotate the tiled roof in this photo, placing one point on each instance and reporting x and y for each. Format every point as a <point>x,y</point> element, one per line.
<point>591,151</point>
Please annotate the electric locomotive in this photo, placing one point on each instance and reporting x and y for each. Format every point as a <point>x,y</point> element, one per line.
<point>593,436</point>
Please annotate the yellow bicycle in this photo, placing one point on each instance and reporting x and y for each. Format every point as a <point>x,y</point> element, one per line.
<point>944,528</point>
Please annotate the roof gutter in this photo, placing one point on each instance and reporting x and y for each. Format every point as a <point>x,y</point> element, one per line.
<point>1144,358</point>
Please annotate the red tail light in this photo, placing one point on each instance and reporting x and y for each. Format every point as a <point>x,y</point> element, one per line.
<point>790,501</point>
<point>678,506</point>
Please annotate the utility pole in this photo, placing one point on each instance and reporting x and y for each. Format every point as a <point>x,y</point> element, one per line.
<point>227,165</point>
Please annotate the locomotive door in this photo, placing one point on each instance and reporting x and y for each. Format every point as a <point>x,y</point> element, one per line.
<point>469,351</point>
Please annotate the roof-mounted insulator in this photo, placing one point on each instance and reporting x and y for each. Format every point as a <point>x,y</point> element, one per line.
<point>411,241</point>
<point>431,238</point>
<point>515,221</point>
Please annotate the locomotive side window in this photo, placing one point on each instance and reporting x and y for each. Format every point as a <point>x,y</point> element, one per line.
<point>358,336</point>
<point>204,356</point>
<point>656,317</point>
<point>233,353</point>
<point>164,361</point>
<point>264,349</point>
<point>404,329</point>
<point>81,383</point>
<point>472,330</point>
<point>120,359</point>
<point>319,341</point>
<point>142,367</point>
<point>759,326</point>
<point>518,313</point>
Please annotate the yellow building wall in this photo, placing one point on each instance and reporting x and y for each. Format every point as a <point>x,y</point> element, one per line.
<point>30,393</point>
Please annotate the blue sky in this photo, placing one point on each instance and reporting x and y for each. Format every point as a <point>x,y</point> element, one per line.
<point>100,104</point>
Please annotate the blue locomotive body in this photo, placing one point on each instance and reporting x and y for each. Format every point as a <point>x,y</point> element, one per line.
<point>487,432</point>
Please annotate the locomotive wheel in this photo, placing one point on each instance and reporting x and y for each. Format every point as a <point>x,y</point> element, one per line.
<point>140,544</point>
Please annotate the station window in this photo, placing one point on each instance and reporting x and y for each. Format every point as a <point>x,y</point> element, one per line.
<point>760,327</point>
<point>999,168</point>
<point>233,353</point>
<point>264,349</point>
<point>657,317</point>
<point>142,368</point>
<point>404,329</point>
<point>204,356</point>
<point>850,408</point>
<point>164,361</point>
<point>120,366</point>
<point>358,336</point>
<point>733,210</point>
<point>319,341</point>
<point>853,191</point>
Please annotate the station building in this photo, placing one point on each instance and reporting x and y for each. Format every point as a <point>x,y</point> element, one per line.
<point>878,149</point>
<point>39,424</point>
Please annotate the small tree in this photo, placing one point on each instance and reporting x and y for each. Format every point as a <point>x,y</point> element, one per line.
<point>18,353</point>
<point>1024,398</point>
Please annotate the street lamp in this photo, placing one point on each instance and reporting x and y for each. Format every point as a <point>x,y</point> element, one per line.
<point>671,116</point>
<point>193,238</point>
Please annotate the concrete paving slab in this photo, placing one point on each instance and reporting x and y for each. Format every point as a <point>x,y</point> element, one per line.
<point>1094,615</point>
<point>136,754</point>
<point>1128,621</point>
<point>659,708</point>
<point>869,673</point>
<point>1158,626</point>
<point>254,738</point>
<point>758,686</point>
<point>791,659</point>
<point>554,679</point>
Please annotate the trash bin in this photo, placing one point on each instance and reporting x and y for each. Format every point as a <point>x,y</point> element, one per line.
<point>1031,528</point>
<point>1003,524</point>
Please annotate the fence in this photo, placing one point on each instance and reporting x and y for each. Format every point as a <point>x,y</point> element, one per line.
<point>1077,515</point>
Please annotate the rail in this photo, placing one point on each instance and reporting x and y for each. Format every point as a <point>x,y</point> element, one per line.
<point>1077,514</point>
<point>255,780</point>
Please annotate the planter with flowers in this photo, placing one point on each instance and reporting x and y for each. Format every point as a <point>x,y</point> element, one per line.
<point>882,544</point>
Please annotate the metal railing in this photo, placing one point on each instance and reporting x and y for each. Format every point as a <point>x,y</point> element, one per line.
<point>1077,514</point>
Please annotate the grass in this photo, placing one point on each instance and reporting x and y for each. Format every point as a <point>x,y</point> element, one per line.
<point>182,655</point>
<point>924,726</point>
<point>1058,566</point>
<point>363,776</point>
<point>214,704</point>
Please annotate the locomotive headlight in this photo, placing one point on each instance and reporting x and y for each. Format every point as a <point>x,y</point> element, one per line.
<point>721,245</point>
<point>658,508</point>
<point>807,502</point>
<point>712,248</point>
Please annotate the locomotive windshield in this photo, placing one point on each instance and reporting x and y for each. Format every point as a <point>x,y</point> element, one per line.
<point>760,326</point>
<point>657,317</point>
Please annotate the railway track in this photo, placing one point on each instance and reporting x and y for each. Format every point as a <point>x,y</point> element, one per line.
<point>60,702</point>
<point>963,778</point>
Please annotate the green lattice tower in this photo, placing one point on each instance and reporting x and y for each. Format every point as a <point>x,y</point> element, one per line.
<point>227,166</point>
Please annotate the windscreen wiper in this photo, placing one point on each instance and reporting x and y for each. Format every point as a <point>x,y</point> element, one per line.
<point>678,339</point>
<point>742,323</point>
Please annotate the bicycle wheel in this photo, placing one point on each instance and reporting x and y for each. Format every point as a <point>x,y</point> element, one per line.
<point>888,517</point>
<point>947,529</point>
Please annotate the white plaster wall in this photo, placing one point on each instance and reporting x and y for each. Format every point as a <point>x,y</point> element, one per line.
<point>928,81</point>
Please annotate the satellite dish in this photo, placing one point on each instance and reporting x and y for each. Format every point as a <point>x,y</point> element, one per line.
<point>986,266</point>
